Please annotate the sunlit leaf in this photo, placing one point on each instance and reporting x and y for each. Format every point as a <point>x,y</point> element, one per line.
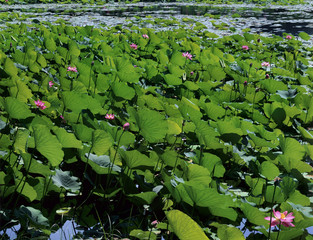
<point>184,226</point>
<point>48,145</point>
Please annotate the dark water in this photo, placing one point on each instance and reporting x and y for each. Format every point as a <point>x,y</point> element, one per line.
<point>269,19</point>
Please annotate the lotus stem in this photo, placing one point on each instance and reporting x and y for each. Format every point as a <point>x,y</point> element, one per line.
<point>111,165</point>
<point>269,231</point>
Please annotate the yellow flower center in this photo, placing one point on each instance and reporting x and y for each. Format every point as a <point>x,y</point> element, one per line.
<point>282,216</point>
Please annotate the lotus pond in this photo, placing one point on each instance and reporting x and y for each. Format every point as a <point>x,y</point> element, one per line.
<point>132,131</point>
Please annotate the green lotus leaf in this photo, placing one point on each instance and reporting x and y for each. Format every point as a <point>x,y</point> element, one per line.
<point>123,90</point>
<point>226,232</point>
<point>50,44</point>
<point>289,163</point>
<point>65,180</point>
<point>35,166</point>
<point>254,215</point>
<point>26,190</point>
<point>274,195</point>
<point>203,196</point>
<point>189,109</point>
<point>191,85</point>
<point>144,198</point>
<point>83,132</point>
<point>214,164</point>
<point>101,142</point>
<point>74,101</point>
<point>102,164</point>
<point>290,93</point>
<point>305,134</point>
<point>21,91</point>
<point>173,128</point>
<point>73,49</point>
<point>126,71</point>
<point>275,111</point>
<point>288,186</point>
<point>292,148</point>
<point>228,213</point>
<point>297,198</point>
<point>254,97</point>
<point>41,60</point>
<point>196,171</point>
<point>213,110</point>
<point>172,79</point>
<point>134,159</point>
<point>272,86</point>
<point>10,68</point>
<point>207,135</point>
<point>291,233</point>
<point>304,36</point>
<point>152,124</point>
<point>175,70</point>
<point>143,235</point>
<point>171,158</point>
<point>33,215</point>
<point>261,142</point>
<point>217,73</point>
<point>162,57</point>
<point>153,102</point>
<point>184,226</point>
<point>269,170</point>
<point>256,185</point>
<point>48,145</point>
<point>178,59</point>
<point>68,140</point>
<point>17,109</point>
<point>21,138</point>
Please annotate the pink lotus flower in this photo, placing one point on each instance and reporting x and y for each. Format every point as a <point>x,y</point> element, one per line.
<point>71,69</point>
<point>110,116</point>
<point>40,104</point>
<point>288,37</point>
<point>126,126</point>
<point>245,47</point>
<point>145,36</point>
<point>281,218</point>
<point>155,222</point>
<point>265,64</point>
<point>187,55</point>
<point>133,46</point>
<point>51,83</point>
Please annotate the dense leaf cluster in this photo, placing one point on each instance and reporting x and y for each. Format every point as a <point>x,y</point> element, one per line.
<point>214,138</point>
